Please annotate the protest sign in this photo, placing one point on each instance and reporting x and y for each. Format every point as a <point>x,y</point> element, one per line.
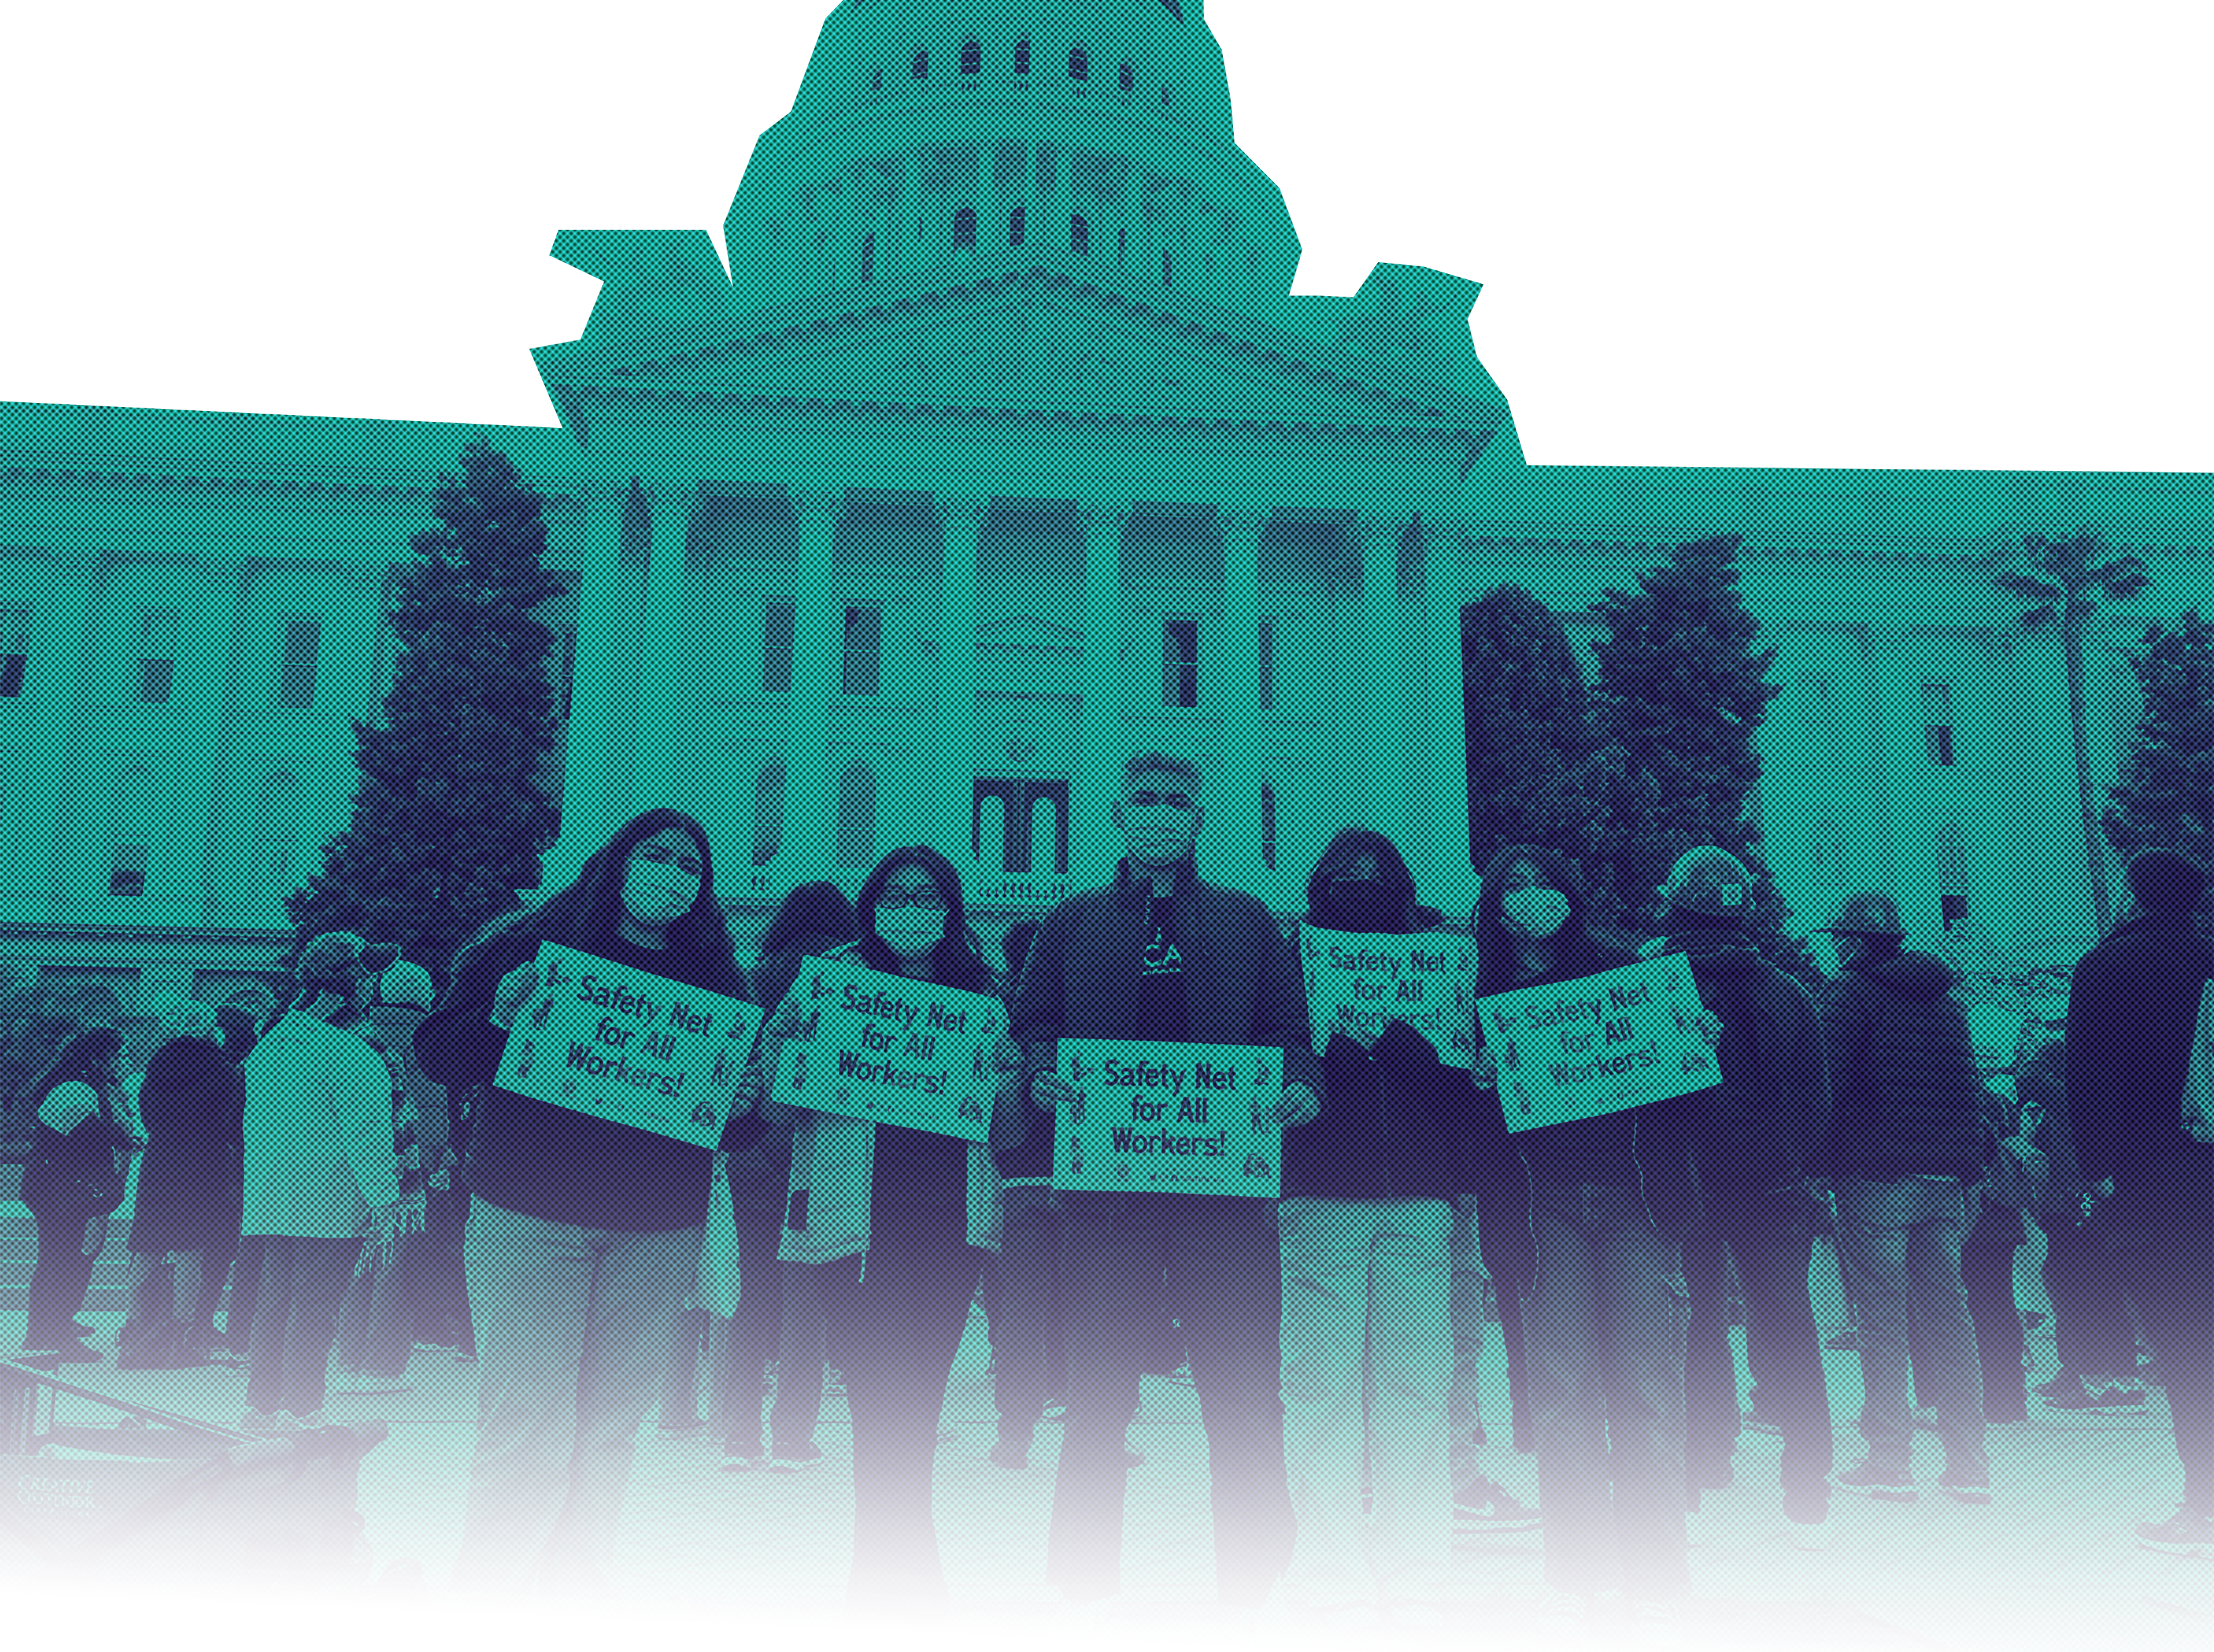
<point>1169,1118</point>
<point>1580,1048</point>
<point>1356,983</point>
<point>620,1044</point>
<point>892,1050</point>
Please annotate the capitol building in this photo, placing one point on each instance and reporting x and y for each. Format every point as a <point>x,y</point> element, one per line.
<point>1001,450</point>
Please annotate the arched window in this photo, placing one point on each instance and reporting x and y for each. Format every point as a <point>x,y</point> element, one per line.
<point>768,813</point>
<point>964,227</point>
<point>856,843</point>
<point>1022,57</point>
<point>1080,236</point>
<point>1079,63</point>
<point>922,65</point>
<point>868,256</point>
<point>1127,78</point>
<point>1015,228</point>
<point>972,57</point>
<point>1268,827</point>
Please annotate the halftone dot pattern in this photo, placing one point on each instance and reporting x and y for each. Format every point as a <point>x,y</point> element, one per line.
<point>991,504</point>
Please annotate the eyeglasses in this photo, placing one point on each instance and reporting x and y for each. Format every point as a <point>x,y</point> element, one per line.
<point>925,899</point>
<point>1161,799</point>
<point>684,859</point>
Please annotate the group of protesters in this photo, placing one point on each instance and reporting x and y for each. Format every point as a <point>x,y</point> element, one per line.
<point>1331,1334</point>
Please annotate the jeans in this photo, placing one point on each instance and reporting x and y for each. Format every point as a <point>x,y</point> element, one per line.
<point>1901,1243</point>
<point>1770,1238</point>
<point>1030,1367</point>
<point>573,1324</point>
<point>1605,1323</point>
<point>376,1329</point>
<point>1367,1338</point>
<point>751,1339</point>
<point>1464,1317</point>
<point>296,1320</point>
<point>2091,1325</point>
<point>1222,1260</point>
<point>805,1349</point>
<point>1995,1234</point>
<point>60,1279</point>
<point>2166,1255</point>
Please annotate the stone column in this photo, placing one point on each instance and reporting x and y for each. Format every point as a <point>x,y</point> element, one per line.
<point>945,747</point>
<point>667,765</point>
<point>1439,730</point>
<point>597,764</point>
<point>810,788</point>
<point>1230,675</point>
<point>1375,533</point>
<point>1094,846</point>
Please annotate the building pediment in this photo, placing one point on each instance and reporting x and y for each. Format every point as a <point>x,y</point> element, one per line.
<point>1036,341</point>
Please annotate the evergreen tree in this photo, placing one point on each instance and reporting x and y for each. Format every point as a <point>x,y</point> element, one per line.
<point>1680,692</point>
<point>450,816</point>
<point>2164,798</point>
<point>1531,742</point>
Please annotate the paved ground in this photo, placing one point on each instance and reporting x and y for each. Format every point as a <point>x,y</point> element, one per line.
<point>708,1553</point>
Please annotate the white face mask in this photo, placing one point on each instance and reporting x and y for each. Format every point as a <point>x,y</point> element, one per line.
<point>1156,832</point>
<point>658,891</point>
<point>909,931</point>
<point>1537,912</point>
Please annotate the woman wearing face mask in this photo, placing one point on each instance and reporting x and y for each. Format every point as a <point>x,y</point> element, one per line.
<point>584,1233</point>
<point>1609,1200</point>
<point>895,1222</point>
<point>1366,1219</point>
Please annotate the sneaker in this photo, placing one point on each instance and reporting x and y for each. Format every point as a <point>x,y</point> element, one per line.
<point>2066,1382</point>
<point>1761,1423</point>
<point>1271,1624</point>
<point>2123,1395</point>
<point>1657,1624</point>
<point>1009,1454</point>
<point>1846,1341</point>
<point>1077,1622</point>
<point>1489,1506</point>
<point>2188,1532</point>
<point>742,1454</point>
<point>311,1423</point>
<point>1566,1617</point>
<point>790,1460</point>
<point>1968,1485</point>
<point>1882,1480</point>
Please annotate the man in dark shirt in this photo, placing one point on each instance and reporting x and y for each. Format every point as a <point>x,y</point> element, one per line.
<point>1162,957</point>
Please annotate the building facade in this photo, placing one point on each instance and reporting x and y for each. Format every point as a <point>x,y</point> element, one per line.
<point>1000,451</point>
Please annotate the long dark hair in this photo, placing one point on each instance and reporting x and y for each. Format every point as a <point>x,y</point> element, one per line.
<point>1572,944</point>
<point>89,1058</point>
<point>808,923</point>
<point>588,914</point>
<point>1345,850</point>
<point>959,958</point>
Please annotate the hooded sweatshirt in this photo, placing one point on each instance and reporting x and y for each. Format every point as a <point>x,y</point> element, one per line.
<point>1910,1101</point>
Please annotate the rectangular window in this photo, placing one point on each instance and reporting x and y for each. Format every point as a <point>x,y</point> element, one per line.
<point>296,679</point>
<point>126,870</point>
<point>1952,874</point>
<point>14,632</point>
<point>158,653</point>
<point>1268,665</point>
<point>778,630</point>
<point>865,623</point>
<point>1938,718</point>
<point>1180,662</point>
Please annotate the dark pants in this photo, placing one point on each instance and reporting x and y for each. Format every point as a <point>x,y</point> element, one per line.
<point>754,1336</point>
<point>296,1320</point>
<point>2091,1324</point>
<point>1770,1238</point>
<point>1987,1270</point>
<point>244,1293</point>
<point>59,1281</point>
<point>2166,1255</point>
<point>215,1274</point>
<point>436,1279</point>
<point>1606,1317</point>
<point>1028,1362</point>
<point>1222,1256</point>
<point>895,1322</point>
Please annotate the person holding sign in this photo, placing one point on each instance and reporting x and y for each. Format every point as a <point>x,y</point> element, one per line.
<point>1754,1135</point>
<point>1366,1217</point>
<point>1609,1199</point>
<point>904,1219</point>
<point>1160,957</point>
<point>584,1233</point>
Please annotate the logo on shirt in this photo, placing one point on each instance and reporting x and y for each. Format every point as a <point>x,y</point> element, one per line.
<point>1162,958</point>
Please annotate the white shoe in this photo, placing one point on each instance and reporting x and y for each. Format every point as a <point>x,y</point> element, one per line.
<point>1077,1622</point>
<point>1271,1624</point>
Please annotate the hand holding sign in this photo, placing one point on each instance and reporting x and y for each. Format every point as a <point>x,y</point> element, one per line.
<point>516,989</point>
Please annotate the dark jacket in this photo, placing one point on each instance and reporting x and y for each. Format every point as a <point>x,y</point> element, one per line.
<point>1758,1130</point>
<point>1911,1100</point>
<point>2040,1084</point>
<point>550,1162</point>
<point>191,1185</point>
<point>1392,1117</point>
<point>2132,1014</point>
<point>72,1174</point>
<point>1648,1148</point>
<point>1242,975</point>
